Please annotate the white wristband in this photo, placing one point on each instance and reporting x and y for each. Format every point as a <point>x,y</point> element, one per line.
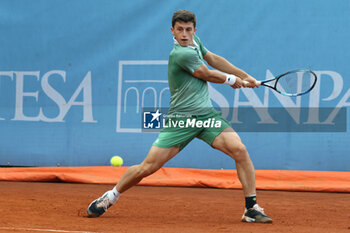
<point>230,79</point>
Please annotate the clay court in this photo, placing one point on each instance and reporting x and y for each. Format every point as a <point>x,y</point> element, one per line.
<point>59,207</point>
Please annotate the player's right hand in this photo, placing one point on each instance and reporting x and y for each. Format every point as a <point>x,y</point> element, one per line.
<point>251,82</point>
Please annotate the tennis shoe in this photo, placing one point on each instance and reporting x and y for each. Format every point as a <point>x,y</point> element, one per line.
<point>256,214</point>
<point>99,206</point>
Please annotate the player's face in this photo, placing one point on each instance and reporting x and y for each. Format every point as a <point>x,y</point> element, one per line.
<point>183,33</point>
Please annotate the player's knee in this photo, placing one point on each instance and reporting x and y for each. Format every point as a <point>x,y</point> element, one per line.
<point>147,169</point>
<point>239,152</point>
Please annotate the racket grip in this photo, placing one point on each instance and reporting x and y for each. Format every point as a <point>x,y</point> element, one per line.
<point>257,82</point>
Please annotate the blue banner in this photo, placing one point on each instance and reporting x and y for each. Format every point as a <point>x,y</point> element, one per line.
<point>76,75</point>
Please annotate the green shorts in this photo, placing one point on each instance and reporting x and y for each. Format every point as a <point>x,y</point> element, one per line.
<point>179,131</point>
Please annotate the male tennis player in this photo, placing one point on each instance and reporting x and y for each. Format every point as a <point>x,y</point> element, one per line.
<point>188,76</point>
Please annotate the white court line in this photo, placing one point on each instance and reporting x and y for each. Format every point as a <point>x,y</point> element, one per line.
<point>47,230</point>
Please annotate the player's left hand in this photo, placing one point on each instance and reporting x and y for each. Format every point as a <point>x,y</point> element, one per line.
<point>238,84</point>
<point>252,82</point>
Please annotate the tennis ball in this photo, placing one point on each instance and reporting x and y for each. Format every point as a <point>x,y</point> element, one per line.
<point>116,161</point>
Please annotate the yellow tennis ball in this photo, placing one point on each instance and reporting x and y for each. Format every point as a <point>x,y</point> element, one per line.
<point>116,161</point>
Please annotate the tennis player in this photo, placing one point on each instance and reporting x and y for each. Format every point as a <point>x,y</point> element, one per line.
<point>188,78</point>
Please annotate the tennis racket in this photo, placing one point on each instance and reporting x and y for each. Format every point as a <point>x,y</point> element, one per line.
<point>292,83</point>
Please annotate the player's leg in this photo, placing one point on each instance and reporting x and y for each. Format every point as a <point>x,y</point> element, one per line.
<point>169,142</point>
<point>230,143</point>
<point>224,138</point>
<point>155,159</point>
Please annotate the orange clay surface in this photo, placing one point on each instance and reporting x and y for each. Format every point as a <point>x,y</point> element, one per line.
<point>60,207</point>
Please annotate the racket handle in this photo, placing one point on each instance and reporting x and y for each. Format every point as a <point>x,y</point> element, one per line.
<point>257,82</point>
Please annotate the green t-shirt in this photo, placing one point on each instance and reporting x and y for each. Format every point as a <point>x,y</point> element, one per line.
<point>189,95</point>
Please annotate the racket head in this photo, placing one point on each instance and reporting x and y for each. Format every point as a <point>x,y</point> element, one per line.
<point>293,83</point>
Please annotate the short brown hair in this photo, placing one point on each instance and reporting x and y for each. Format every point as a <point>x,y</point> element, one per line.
<point>184,16</point>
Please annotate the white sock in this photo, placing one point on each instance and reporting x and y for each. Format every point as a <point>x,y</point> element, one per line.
<point>113,195</point>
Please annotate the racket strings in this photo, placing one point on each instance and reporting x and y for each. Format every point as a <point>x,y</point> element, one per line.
<point>295,82</point>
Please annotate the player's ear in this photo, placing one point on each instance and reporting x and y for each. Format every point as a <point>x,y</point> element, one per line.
<point>172,31</point>
<point>195,29</point>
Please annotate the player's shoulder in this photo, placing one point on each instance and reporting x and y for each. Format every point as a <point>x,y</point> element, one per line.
<point>197,39</point>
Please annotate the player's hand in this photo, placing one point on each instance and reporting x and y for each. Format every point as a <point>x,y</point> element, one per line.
<point>238,84</point>
<point>251,82</point>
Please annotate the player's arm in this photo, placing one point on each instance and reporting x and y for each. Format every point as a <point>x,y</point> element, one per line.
<point>223,65</point>
<point>215,76</point>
